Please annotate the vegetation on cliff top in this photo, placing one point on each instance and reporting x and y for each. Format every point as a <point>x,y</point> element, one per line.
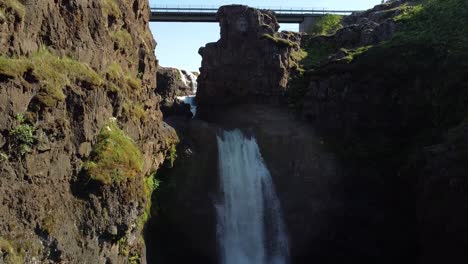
<point>52,72</point>
<point>326,25</point>
<point>115,156</point>
<point>433,41</point>
<point>424,68</point>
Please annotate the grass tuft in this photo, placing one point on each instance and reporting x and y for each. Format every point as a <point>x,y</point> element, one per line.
<point>279,41</point>
<point>52,72</point>
<point>122,39</point>
<point>111,8</point>
<point>9,252</point>
<point>12,9</point>
<point>115,156</point>
<point>135,110</point>
<point>116,75</point>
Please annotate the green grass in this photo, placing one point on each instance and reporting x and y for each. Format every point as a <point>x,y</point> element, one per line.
<point>134,110</point>
<point>149,186</point>
<point>316,52</point>
<point>279,41</point>
<point>111,8</point>
<point>122,39</point>
<point>121,79</point>
<point>11,9</point>
<point>428,55</point>
<point>115,156</point>
<point>326,25</point>
<point>52,72</point>
<point>4,156</point>
<point>351,54</point>
<point>10,253</point>
<point>441,25</point>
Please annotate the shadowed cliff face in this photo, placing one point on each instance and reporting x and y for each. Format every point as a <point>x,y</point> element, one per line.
<point>77,82</point>
<point>250,63</point>
<point>372,173</point>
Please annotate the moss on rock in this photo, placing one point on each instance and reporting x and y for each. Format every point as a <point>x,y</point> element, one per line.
<point>52,72</point>
<point>8,253</point>
<point>278,40</point>
<point>12,9</point>
<point>115,156</point>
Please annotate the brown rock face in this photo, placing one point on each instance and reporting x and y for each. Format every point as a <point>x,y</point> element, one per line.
<point>67,68</point>
<point>251,61</point>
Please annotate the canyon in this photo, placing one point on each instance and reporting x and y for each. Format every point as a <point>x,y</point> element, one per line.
<point>348,145</point>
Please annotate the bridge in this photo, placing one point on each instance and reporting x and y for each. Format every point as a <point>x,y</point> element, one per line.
<point>304,17</point>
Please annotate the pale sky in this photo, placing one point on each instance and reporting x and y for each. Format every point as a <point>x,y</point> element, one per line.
<point>178,43</point>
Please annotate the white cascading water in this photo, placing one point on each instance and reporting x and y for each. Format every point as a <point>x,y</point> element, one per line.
<point>250,227</point>
<point>189,79</point>
<point>191,82</point>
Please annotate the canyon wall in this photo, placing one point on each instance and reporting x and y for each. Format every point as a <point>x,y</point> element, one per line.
<point>80,130</point>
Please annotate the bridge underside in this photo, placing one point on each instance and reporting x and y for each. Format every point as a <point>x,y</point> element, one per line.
<point>211,17</point>
<point>303,20</point>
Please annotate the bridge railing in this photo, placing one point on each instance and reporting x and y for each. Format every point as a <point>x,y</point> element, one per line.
<point>213,9</point>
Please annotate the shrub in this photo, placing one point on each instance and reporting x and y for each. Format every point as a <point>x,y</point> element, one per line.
<point>115,156</point>
<point>171,155</point>
<point>22,137</point>
<point>326,25</point>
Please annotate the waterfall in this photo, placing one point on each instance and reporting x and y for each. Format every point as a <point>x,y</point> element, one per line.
<point>250,227</point>
<point>189,79</point>
<point>190,100</point>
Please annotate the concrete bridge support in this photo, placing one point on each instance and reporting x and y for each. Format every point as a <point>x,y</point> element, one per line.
<point>308,22</point>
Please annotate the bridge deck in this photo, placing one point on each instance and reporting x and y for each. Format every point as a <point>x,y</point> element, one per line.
<point>193,14</point>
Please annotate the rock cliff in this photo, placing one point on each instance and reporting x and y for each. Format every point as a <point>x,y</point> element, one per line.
<point>250,63</point>
<point>80,130</point>
<point>386,95</point>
